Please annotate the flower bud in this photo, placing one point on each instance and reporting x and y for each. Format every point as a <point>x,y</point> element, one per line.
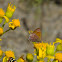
<point>10,10</point>
<point>50,50</point>
<point>9,14</point>
<point>29,57</point>
<point>59,47</point>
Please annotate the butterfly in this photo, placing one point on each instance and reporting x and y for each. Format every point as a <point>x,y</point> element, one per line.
<point>35,36</point>
<point>11,59</point>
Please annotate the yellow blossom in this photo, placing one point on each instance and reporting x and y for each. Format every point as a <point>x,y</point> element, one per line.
<point>15,23</point>
<point>11,7</point>
<point>39,45</point>
<point>9,54</point>
<point>2,13</point>
<point>11,25</point>
<point>40,49</point>
<point>1,31</point>
<point>58,56</point>
<point>10,10</point>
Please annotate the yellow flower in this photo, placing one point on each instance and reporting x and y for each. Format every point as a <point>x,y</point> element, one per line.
<point>11,7</point>
<point>15,23</point>
<point>39,45</point>
<point>1,31</point>
<point>11,25</point>
<point>9,54</point>
<point>10,10</point>
<point>40,49</point>
<point>2,13</point>
<point>1,52</point>
<point>58,56</point>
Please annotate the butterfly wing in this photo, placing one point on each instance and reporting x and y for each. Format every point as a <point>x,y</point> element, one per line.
<point>33,37</point>
<point>36,35</point>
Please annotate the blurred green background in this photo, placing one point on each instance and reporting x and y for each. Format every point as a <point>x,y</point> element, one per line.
<point>45,14</point>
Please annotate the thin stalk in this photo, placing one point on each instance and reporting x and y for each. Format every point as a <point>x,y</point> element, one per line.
<point>4,24</point>
<point>7,30</point>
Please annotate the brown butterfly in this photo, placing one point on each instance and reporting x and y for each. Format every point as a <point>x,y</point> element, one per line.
<point>35,36</point>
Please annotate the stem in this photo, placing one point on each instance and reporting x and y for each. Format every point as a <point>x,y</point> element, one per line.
<point>4,24</point>
<point>7,30</point>
<point>42,59</point>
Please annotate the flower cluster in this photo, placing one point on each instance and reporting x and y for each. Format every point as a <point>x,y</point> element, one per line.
<point>7,15</point>
<point>45,50</point>
<point>11,25</point>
